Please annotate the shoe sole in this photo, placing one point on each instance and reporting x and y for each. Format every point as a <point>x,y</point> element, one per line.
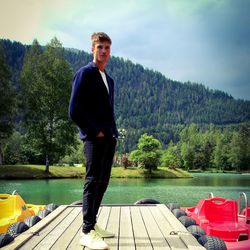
<point>96,248</point>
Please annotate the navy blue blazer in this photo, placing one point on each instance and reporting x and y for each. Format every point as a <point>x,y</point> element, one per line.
<point>91,107</point>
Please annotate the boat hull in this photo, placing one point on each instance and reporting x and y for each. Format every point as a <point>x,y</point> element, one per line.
<point>14,209</point>
<point>220,217</point>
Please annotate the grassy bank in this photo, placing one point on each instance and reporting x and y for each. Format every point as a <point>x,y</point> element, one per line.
<point>37,172</point>
<point>118,172</point>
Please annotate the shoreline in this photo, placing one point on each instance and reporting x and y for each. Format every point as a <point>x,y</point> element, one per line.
<point>11,172</point>
<point>16,172</point>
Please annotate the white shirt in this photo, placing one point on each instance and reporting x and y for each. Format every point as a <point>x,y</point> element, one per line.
<point>104,80</point>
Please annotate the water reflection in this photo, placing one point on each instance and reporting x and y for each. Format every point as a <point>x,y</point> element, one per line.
<point>187,192</point>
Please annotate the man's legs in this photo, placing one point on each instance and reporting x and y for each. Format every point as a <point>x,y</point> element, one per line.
<point>99,155</point>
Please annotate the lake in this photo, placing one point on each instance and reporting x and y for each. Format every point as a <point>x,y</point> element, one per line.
<point>186,192</point>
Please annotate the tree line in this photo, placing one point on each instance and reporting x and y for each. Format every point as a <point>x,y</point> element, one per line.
<point>214,148</point>
<point>36,82</point>
<point>196,150</point>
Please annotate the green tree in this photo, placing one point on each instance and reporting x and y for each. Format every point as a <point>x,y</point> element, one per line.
<point>190,146</point>
<point>19,149</point>
<point>148,153</point>
<point>170,157</point>
<point>187,154</point>
<point>196,147</point>
<point>46,83</point>
<point>134,157</point>
<point>75,156</point>
<point>235,152</point>
<point>7,104</point>
<point>15,149</point>
<point>244,134</point>
<point>209,144</point>
<point>220,156</point>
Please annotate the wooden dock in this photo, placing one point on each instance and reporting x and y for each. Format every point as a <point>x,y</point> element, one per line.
<point>146,227</point>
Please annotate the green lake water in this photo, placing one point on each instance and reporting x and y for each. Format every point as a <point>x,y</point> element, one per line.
<point>186,192</point>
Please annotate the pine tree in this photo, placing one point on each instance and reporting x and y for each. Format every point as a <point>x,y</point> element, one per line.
<point>7,104</point>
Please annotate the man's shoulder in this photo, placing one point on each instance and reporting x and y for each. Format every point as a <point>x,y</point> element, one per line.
<point>87,68</point>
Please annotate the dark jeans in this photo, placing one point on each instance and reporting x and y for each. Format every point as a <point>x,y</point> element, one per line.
<point>99,154</point>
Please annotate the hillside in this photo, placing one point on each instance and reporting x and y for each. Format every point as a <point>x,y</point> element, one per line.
<point>147,101</point>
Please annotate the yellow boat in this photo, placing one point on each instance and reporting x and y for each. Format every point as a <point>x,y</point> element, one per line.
<point>14,209</point>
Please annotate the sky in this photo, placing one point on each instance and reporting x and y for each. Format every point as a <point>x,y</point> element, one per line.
<point>201,41</point>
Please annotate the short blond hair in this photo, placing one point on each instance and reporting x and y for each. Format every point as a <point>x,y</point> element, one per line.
<point>100,37</point>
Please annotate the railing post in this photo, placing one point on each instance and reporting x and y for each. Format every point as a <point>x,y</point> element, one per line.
<point>242,196</point>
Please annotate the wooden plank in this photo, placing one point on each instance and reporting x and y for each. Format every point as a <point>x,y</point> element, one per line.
<point>139,227</point>
<point>162,221</point>
<point>126,237</point>
<point>113,226</point>
<point>55,234</point>
<point>179,232</point>
<point>166,228</point>
<point>191,242</point>
<point>76,236</point>
<point>142,241</point>
<point>74,244</point>
<point>35,240</point>
<point>103,216</point>
<point>35,230</point>
<point>176,225</point>
<point>64,241</point>
<point>156,237</point>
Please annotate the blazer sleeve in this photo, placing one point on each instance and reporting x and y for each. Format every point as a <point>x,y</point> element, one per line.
<point>80,108</point>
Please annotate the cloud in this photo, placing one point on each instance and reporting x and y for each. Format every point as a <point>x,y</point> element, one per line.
<point>19,23</point>
<point>205,41</point>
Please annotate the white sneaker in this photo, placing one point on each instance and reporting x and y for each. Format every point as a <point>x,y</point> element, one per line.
<point>103,233</point>
<point>92,240</point>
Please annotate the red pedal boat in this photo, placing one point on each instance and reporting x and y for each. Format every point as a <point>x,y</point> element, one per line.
<point>225,219</point>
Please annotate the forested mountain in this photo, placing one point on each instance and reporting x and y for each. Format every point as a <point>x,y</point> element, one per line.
<point>147,101</point>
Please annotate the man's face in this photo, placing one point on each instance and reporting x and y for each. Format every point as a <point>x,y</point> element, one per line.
<point>101,51</point>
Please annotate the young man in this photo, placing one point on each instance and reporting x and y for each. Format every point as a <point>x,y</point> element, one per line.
<point>92,109</point>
